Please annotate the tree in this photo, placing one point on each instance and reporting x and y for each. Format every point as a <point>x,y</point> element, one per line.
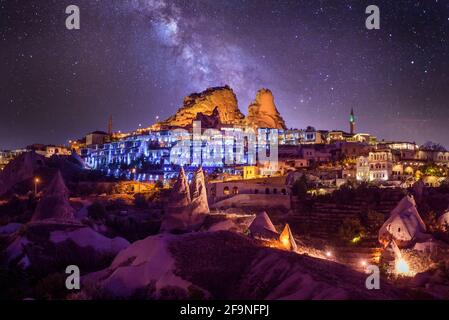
<point>96,211</point>
<point>159,184</point>
<point>351,230</point>
<point>432,146</point>
<point>375,220</point>
<point>300,187</point>
<point>431,221</point>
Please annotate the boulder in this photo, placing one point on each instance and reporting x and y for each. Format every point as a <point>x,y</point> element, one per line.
<point>47,247</point>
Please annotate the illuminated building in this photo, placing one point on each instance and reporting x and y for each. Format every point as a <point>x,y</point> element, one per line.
<point>7,156</point>
<point>378,166</point>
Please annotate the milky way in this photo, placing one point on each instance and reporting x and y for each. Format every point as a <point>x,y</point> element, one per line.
<point>206,57</point>
<point>137,59</point>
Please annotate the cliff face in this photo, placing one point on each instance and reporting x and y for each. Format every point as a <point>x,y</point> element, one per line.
<point>262,112</point>
<point>223,99</point>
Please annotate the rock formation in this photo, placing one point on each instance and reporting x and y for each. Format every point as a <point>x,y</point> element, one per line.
<point>221,98</point>
<point>225,265</point>
<point>55,203</point>
<point>404,224</point>
<point>198,194</point>
<point>83,246</point>
<point>263,228</point>
<point>390,254</point>
<point>262,112</point>
<point>188,204</point>
<point>209,122</point>
<point>20,169</point>
<point>177,213</point>
<point>287,240</point>
<point>443,220</point>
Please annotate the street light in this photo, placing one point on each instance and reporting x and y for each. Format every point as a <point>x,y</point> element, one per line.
<point>134,178</point>
<point>36,182</point>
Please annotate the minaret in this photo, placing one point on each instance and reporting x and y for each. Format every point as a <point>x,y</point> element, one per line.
<point>110,126</point>
<point>352,122</point>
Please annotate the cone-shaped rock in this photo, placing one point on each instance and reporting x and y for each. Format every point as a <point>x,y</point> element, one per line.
<point>390,254</point>
<point>198,194</point>
<point>262,113</point>
<point>262,227</point>
<point>404,224</point>
<point>177,213</point>
<point>287,240</point>
<point>55,203</point>
<point>180,195</point>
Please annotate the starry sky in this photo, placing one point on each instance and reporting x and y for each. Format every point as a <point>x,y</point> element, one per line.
<point>135,60</point>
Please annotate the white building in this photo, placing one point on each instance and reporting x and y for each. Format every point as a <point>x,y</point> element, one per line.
<point>49,151</point>
<point>378,166</point>
<point>362,169</point>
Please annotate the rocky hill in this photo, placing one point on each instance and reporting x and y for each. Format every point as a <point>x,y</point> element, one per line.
<point>225,265</point>
<point>20,169</point>
<point>218,106</point>
<point>221,99</point>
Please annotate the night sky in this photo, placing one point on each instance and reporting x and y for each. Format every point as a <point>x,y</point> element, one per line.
<point>136,60</point>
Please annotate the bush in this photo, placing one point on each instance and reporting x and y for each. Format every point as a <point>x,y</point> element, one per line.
<point>431,221</point>
<point>85,189</point>
<point>344,195</point>
<point>351,230</point>
<point>159,184</point>
<point>51,287</point>
<point>299,188</point>
<point>374,222</point>
<point>13,283</point>
<point>140,201</point>
<point>96,211</point>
